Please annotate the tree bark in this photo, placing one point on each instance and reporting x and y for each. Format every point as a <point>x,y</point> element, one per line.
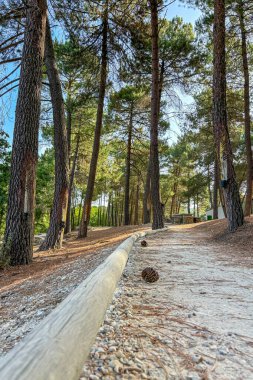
<point>222,139</point>
<point>71,182</point>
<point>209,187</point>
<point>18,241</point>
<point>189,205</point>
<point>174,207</point>
<point>128,168</point>
<point>247,121</point>
<point>96,143</point>
<point>146,196</point>
<point>136,208</point>
<point>154,154</point>
<point>58,215</point>
<point>69,132</point>
<point>215,189</point>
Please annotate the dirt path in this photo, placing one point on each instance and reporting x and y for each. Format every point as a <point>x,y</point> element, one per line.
<point>195,323</point>
<point>29,293</point>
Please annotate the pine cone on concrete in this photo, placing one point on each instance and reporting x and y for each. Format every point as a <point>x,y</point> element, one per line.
<point>144,243</point>
<point>150,275</point>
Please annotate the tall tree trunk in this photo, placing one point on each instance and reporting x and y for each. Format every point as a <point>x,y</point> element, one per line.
<point>189,205</point>
<point>109,210</point>
<point>215,189</point>
<point>128,168</point>
<point>73,211</point>
<point>18,241</point>
<point>247,121</point>
<point>131,206</point>
<point>69,130</point>
<point>154,154</point>
<point>58,215</point>
<point>80,209</point>
<point>71,182</point>
<point>112,210</point>
<point>136,208</point>
<point>173,208</point>
<point>197,201</point>
<point>96,144</point>
<point>209,187</point>
<point>223,144</point>
<point>146,196</point>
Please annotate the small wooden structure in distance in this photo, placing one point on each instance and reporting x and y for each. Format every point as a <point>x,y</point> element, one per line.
<point>182,218</point>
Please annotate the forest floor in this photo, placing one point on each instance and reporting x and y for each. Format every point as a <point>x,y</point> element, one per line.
<point>195,323</point>
<point>73,248</point>
<point>29,293</point>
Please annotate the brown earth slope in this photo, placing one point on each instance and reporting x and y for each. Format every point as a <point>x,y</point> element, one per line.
<point>48,261</point>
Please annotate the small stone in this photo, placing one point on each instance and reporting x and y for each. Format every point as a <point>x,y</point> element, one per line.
<point>116,366</point>
<point>104,371</point>
<point>197,358</point>
<point>201,367</point>
<point>40,313</point>
<point>112,349</point>
<point>192,376</point>
<point>94,377</point>
<point>220,357</point>
<point>223,351</point>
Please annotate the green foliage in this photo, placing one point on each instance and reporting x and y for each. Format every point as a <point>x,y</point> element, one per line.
<point>45,188</point>
<point>5,158</point>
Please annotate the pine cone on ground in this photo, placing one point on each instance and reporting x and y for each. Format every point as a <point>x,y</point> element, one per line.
<point>144,243</point>
<point>150,275</point>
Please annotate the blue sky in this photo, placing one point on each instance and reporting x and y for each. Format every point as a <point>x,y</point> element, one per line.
<point>189,14</point>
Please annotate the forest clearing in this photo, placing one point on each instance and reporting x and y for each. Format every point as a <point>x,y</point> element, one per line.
<point>126,190</point>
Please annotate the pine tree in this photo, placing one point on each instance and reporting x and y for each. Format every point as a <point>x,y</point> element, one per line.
<point>20,214</point>
<point>58,214</point>
<point>222,138</point>
<point>154,154</point>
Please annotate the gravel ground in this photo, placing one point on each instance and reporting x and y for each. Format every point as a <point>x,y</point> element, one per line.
<point>27,302</point>
<point>195,323</point>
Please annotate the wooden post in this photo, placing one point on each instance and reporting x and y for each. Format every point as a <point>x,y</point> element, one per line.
<point>57,348</point>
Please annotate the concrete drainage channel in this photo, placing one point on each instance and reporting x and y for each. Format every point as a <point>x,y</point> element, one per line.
<point>57,348</point>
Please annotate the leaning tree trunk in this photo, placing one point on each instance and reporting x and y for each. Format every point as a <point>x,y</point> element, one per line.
<point>18,241</point>
<point>71,182</point>
<point>96,143</point>
<point>154,155</point>
<point>58,215</point>
<point>247,121</point>
<point>128,168</point>
<point>223,144</point>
